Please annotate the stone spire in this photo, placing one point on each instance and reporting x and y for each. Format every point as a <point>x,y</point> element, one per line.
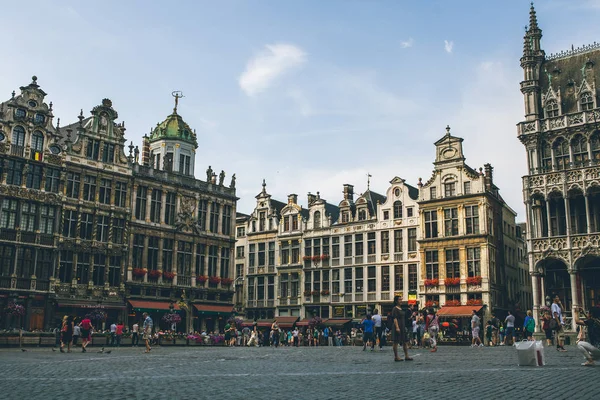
<point>533,25</point>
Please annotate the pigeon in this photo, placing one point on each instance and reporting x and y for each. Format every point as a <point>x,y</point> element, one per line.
<point>23,350</point>
<point>53,349</point>
<point>108,352</point>
<point>101,350</point>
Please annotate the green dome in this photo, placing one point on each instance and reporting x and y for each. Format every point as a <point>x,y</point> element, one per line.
<point>174,127</point>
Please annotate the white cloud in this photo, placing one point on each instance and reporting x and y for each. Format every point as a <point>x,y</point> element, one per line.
<point>448,45</point>
<point>270,64</point>
<point>407,43</point>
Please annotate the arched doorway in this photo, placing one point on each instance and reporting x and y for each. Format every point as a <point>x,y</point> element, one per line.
<point>556,280</point>
<point>589,275</point>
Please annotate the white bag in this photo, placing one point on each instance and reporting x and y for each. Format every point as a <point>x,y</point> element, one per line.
<point>539,353</point>
<point>526,353</point>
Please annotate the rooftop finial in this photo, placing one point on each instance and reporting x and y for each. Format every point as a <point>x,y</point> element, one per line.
<point>264,185</point>
<point>532,18</point>
<point>369,180</point>
<point>177,94</point>
<point>447,130</point>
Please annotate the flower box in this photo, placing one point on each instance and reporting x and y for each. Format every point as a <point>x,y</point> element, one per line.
<point>214,280</point>
<point>307,258</point>
<point>316,258</point>
<point>154,273</point>
<point>474,302</point>
<point>324,257</point>
<point>201,278</point>
<point>452,303</point>
<point>139,272</point>
<point>452,281</point>
<point>226,281</point>
<point>432,282</point>
<point>168,275</point>
<point>315,292</point>
<point>474,280</point>
<point>307,292</point>
<point>429,303</point>
<point>325,292</point>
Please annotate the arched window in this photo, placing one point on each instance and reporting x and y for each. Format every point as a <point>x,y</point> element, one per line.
<point>587,101</point>
<point>362,215</point>
<point>561,154</point>
<point>37,141</point>
<point>580,151</point>
<point>18,137</point>
<point>546,156</point>
<point>397,209</point>
<point>595,147</point>
<point>317,219</point>
<point>551,108</point>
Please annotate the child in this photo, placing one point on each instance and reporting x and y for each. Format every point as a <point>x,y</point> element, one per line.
<point>489,328</point>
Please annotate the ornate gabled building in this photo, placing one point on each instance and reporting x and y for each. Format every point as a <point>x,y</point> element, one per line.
<point>462,224</point>
<point>562,187</point>
<point>85,226</point>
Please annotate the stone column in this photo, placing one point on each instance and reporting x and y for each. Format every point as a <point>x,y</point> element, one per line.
<point>134,200</point>
<point>567,215</point>
<point>536,301</point>
<point>543,289</point>
<point>575,298</point>
<point>175,262</point>
<point>145,256</point>
<point>148,203</point>
<point>548,217</point>
<point>163,202</point>
<point>159,263</point>
<point>587,214</point>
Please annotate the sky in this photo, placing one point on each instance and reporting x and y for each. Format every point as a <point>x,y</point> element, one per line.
<point>308,94</point>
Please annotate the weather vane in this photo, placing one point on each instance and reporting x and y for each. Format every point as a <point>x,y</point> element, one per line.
<point>177,94</point>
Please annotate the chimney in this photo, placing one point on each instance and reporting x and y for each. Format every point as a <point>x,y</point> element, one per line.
<point>348,192</point>
<point>292,198</point>
<point>145,151</point>
<point>488,176</point>
<point>311,198</point>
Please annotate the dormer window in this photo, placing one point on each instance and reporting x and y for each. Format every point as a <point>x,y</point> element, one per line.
<point>362,215</point>
<point>32,103</point>
<point>317,219</point>
<point>587,101</point>
<point>93,149</point>
<point>345,217</point>
<point>433,192</point>
<point>449,189</point>
<point>551,108</point>
<point>37,145</point>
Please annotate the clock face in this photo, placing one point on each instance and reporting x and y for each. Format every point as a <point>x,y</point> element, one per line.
<point>448,153</point>
<point>54,149</point>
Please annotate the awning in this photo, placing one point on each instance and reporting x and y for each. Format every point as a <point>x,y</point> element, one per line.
<point>286,322</point>
<point>303,322</point>
<point>260,324</point>
<point>336,321</point>
<point>458,311</point>
<point>206,309</point>
<point>150,306</point>
<point>91,305</point>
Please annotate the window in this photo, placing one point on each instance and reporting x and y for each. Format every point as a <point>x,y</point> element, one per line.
<point>93,149</point>
<point>226,221</point>
<point>386,215</point>
<point>214,217</point>
<point>14,172</point>
<point>398,241</point>
<point>52,180</point>
<point>114,271</point>
<point>240,232</point>
<point>152,253</point>
<point>70,224</point>
<point>155,205</point>
<point>120,193</point>
<point>47,219</point>
<point>433,192</point>
<point>410,211</point>
<point>262,219</point>
<point>385,242</point>
<point>252,256</point>
<point>580,151</point>
<point>83,268</point>
<point>412,277</point>
<point>118,230</point>
<point>348,246</point>
<point>335,247</point>
<point>358,280</point>
<point>184,164</point>
<point>397,209</point>
<point>467,186</point>
<point>362,215</point>
<point>108,153</point>
<point>472,219</point>
<point>45,264</point>
<point>283,285</point>
<point>138,249</point>
<point>295,252</point>
<point>371,279</point>
<point>18,141</point>
<point>86,228</point>
<point>140,202</point>
<point>212,260</point>
<point>551,109</point>
<point>449,189</point>
<point>398,278</point>
<point>358,245</point>
<point>595,147</point>
<point>25,262</point>
<point>239,252</point>
<point>251,292</point>
<point>286,223</point>
<point>295,220</point>
<point>347,280</point>
<point>317,220</point>
<point>39,119</point>
<point>28,216</point>
<point>335,281</point>
<point>546,151</point>
<point>271,260</point>
<point>262,250</point>
<point>452,264</point>
<point>184,258</point>
<point>167,255</point>
<point>431,228</point>
<point>345,217</point>
<point>451,221</point>
<point>89,188</point>
<point>561,154</point>
<point>105,191</point>
<point>587,101</point>
<point>225,263</point>
<point>99,269</point>
<point>431,264</point>
<point>37,146</point>
<point>385,278</point>
<point>65,273</point>
<point>103,223</point>
<point>412,239</point>
<point>34,176</point>
<point>202,210</point>
<point>473,261</point>
<point>20,113</point>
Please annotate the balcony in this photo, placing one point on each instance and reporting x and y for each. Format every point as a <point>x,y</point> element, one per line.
<point>293,301</point>
<point>452,289</point>
<point>348,298</point>
<point>335,298</point>
<point>184,281</point>
<point>42,286</point>
<point>358,297</point>
<point>8,234</point>
<point>28,237</point>
<point>46,240</point>
<point>5,282</point>
<point>16,150</point>
<point>24,284</point>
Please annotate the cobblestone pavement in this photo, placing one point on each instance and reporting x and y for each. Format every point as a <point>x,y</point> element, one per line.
<point>296,373</point>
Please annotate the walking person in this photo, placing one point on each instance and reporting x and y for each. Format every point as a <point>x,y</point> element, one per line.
<point>368,326</point>
<point>398,328</point>
<point>590,348</point>
<point>66,333</point>
<point>378,328</point>
<point>495,330</point>
<point>86,333</point>
<point>135,334</point>
<point>475,323</point>
<point>433,327</point>
<point>275,332</point>
<point>245,335</point>
<point>546,318</point>
<point>557,310</point>
<point>295,334</point>
<point>529,325</point>
<point>489,329</point>
<point>113,334</point>
<point>119,333</point>
<point>316,335</point>
<point>510,328</point>
<point>76,331</point>
<point>147,331</point>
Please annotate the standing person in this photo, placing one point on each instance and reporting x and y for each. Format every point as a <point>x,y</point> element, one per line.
<point>378,328</point>
<point>529,325</point>
<point>86,333</point>
<point>475,322</point>
<point>147,331</point>
<point>275,330</point>
<point>368,325</point>
<point>557,310</point>
<point>398,330</point>
<point>76,331</point>
<point>316,334</point>
<point>113,334</point>
<point>66,333</point>
<point>295,334</point>
<point>433,327</point>
<point>591,348</point>
<point>135,334</point>
<point>228,334</point>
<point>119,333</point>
<point>489,328</point>
<point>510,328</point>
<point>245,335</point>
<point>495,329</point>
<point>546,327</point>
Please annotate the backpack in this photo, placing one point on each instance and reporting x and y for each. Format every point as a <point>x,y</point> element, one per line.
<point>553,325</point>
<point>530,325</point>
<point>389,322</point>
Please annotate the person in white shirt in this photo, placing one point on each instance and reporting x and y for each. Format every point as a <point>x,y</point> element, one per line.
<point>113,334</point>
<point>378,328</point>
<point>510,328</point>
<point>557,310</point>
<point>475,322</point>
<point>135,334</point>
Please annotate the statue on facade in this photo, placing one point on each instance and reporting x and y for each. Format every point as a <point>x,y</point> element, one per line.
<point>209,174</point>
<point>221,178</point>
<point>232,184</point>
<point>136,155</point>
<point>213,180</point>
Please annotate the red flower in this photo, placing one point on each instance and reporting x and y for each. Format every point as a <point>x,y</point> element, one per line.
<point>154,273</point>
<point>139,272</point>
<point>325,257</point>
<point>168,275</point>
<point>324,292</point>
<point>474,302</point>
<point>307,258</point>
<point>474,280</point>
<point>315,292</point>
<point>452,281</point>
<point>214,280</point>
<point>226,281</point>
<point>316,258</point>
<point>432,282</point>
<point>201,278</point>
<point>453,303</point>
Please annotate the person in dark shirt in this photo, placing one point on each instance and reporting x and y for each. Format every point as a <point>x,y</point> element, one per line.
<point>591,348</point>
<point>398,330</point>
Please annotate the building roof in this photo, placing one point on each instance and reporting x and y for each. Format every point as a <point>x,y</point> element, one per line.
<point>174,127</point>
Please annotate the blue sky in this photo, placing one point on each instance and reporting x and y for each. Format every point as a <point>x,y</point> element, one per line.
<point>306,94</point>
